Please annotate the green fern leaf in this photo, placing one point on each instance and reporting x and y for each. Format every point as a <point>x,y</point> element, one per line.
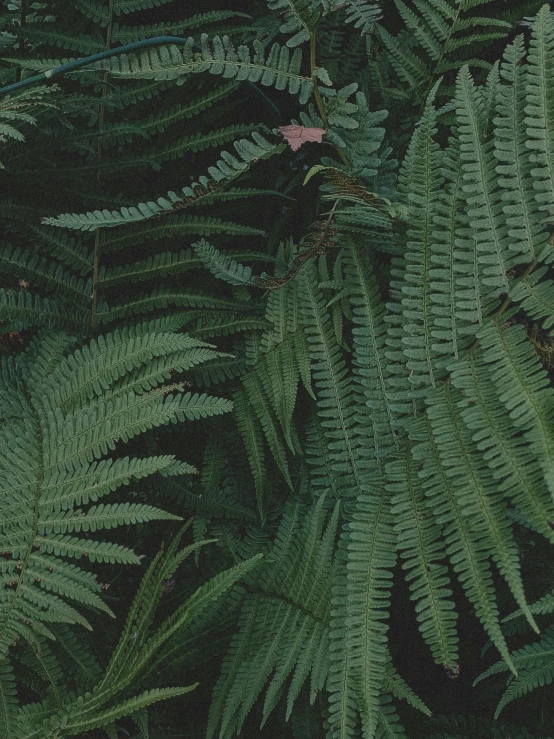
<point>218,56</point>
<point>223,267</point>
<point>8,702</point>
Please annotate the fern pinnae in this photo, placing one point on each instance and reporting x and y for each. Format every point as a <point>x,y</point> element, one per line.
<point>421,552</point>
<point>421,183</point>
<point>59,577</point>
<point>200,141</point>
<point>8,702</point>
<point>172,226</point>
<point>223,266</point>
<point>535,295</point>
<point>529,400</point>
<point>408,67</point>
<point>218,56</point>
<point>38,271</point>
<point>109,358</point>
<point>333,388</point>
<point>251,432</point>
<point>80,484</point>
<point>20,310</point>
<point>60,245</point>
<point>395,685</point>
<point>129,34</point>
<point>369,565</point>
<point>535,667</point>
<point>159,265</point>
<point>269,423</point>
<point>44,664</point>
<point>468,559</point>
<point>540,107</point>
<point>369,349</point>
<point>158,122</point>
<point>103,517</point>
<point>162,297</point>
<point>526,227</point>
<point>522,477</point>
<point>482,198</point>
<point>477,496</point>
<point>228,168</point>
<point>388,726</point>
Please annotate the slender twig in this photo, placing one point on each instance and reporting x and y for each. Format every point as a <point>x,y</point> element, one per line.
<point>319,99</point>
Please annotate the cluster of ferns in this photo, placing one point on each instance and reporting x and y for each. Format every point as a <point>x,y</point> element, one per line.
<point>276,424</point>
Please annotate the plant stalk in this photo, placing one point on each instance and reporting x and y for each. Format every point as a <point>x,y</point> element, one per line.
<point>101,116</point>
<point>319,100</point>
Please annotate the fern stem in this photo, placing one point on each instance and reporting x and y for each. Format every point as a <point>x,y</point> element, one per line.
<point>23,22</point>
<point>101,116</point>
<point>319,99</point>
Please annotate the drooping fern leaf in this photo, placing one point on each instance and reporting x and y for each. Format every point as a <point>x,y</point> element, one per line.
<point>61,415</point>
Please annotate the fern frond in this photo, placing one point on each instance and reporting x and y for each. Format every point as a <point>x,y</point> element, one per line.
<point>364,14</point>
<point>229,167</point>
<point>435,31</point>
<point>251,432</point>
<point>223,267</point>
<point>282,622</point>
<point>85,44</point>
<point>300,18</point>
<point>478,495</point>
<point>371,366</point>
<point>103,705</point>
<point>523,387</point>
<point>482,196</point>
<point>8,701</point>
<point>361,600</point>
<point>521,476</point>
<point>421,184</point>
<point>279,68</point>
<point>21,309</point>
<point>526,226</point>
<point>469,560</point>
<point>422,551</point>
<point>334,387</point>
<point>38,271</point>
<point>539,111</point>
<point>128,34</point>
<point>164,296</point>
<point>63,424</point>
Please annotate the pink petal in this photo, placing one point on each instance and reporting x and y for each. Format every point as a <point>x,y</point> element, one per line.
<point>298,135</point>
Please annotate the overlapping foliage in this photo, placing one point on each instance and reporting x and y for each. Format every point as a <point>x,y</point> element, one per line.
<point>360,331</point>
